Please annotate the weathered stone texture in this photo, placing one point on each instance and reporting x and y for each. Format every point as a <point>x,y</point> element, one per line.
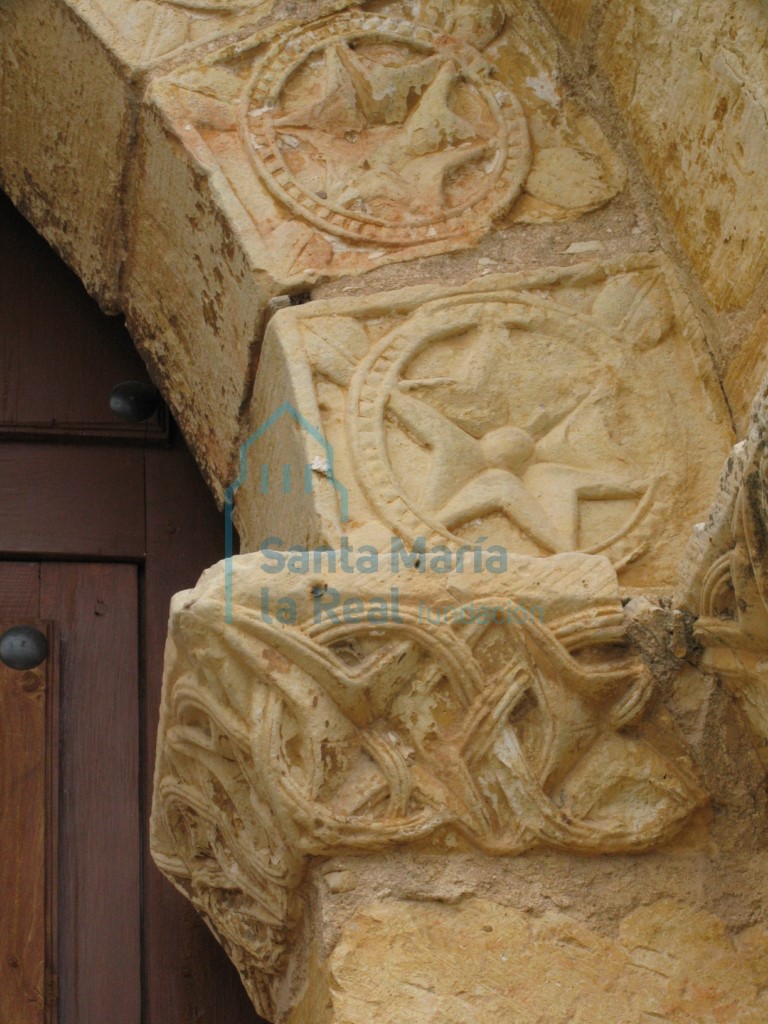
<point>71,80</point>
<point>312,713</point>
<point>311,150</point>
<point>570,16</point>
<point>746,372</point>
<point>514,407</point>
<point>194,302</point>
<point>385,133</point>
<point>144,33</point>
<point>724,578</point>
<point>409,962</point>
<point>323,712</point>
<point>65,137</point>
<point>691,80</point>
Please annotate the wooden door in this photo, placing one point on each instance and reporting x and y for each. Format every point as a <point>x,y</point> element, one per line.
<point>28,819</point>
<point>91,873</point>
<point>101,522</point>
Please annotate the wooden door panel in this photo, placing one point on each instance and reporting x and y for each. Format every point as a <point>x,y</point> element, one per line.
<point>28,830</point>
<point>19,591</point>
<point>96,610</point>
<point>131,949</point>
<point>72,501</point>
<point>60,356</point>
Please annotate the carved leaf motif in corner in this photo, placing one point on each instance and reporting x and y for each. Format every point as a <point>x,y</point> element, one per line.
<point>637,307</point>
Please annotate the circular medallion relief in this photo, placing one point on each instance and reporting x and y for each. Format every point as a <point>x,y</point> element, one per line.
<point>505,419</point>
<point>385,131</point>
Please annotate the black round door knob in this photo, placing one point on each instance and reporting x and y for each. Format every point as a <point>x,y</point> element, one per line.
<point>23,647</point>
<point>134,400</point>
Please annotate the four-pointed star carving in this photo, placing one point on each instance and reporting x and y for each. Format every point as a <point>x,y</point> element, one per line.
<point>380,139</point>
<point>479,460</point>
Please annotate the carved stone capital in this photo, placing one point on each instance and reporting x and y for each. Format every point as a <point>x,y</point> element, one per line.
<point>345,235</point>
<point>724,579</point>
<point>348,713</point>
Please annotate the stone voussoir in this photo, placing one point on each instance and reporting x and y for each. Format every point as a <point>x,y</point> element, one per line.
<point>73,74</point>
<point>691,81</point>
<point>449,413</point>
<point>327,146</point>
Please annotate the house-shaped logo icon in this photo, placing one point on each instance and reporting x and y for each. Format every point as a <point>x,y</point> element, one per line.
<point>284,476</point>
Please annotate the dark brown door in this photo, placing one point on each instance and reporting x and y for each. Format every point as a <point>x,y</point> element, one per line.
<point>101,521</point>
<point>28,805</point>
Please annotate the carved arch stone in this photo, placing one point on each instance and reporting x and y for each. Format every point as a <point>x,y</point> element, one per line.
<point>195,162</point>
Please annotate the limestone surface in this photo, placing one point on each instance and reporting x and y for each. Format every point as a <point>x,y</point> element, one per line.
<point>145,33</point>
<point>408,962</point>
<point>333,143</point>
<point>72,78</point>
<point>311,710</point>
<point>570,16</point>
<point>513,408</point>
<point>691,81</point>
<point>64,147</point>
<point>387,131</point>
<point>725,576</point>
<point>746,372</point>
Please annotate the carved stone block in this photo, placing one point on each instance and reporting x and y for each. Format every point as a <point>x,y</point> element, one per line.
<point>406,962</point>
<point>724,579</point>
<point>331,142</point>
<point>72,77</point>
<point>690,80</point>
<point>389,131</point>
<point>307,151</point>
<point>515,408</point>
<point>310,712</point>
<point>64,146</point>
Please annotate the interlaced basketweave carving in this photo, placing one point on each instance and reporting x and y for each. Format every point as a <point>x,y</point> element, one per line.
<point>326,737</point>
<point>725,576</point>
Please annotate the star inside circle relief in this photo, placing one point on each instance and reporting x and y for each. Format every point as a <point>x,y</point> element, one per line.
<point>385,132</point>
<point>506,421</point>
